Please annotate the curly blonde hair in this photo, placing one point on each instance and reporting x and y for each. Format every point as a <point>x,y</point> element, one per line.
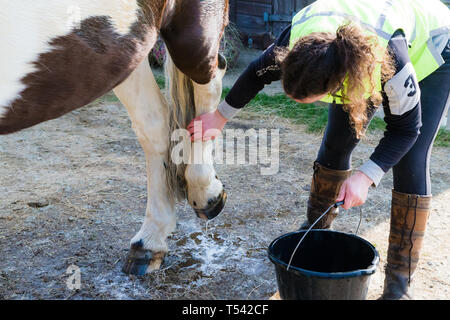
<point>322,62</point>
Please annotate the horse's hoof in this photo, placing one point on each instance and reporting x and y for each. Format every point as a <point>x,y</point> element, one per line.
<point>214,208</point>
<point>141,261</point>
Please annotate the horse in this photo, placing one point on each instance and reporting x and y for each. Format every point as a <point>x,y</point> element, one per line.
<point>60,55</point>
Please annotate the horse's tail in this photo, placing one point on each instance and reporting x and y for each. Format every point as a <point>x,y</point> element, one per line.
<point>181,104</point>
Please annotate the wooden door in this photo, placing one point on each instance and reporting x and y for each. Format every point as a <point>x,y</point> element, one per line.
<point>283,12</point>
<point>263,20</point>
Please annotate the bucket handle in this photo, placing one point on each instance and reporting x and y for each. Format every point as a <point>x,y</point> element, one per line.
<point>335,205</point>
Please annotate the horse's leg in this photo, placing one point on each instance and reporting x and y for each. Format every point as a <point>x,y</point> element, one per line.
<point>205,190</point>
<point>146,106</point>
<point>192,36</point>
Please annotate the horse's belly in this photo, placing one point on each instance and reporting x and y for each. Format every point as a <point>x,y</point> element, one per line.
<point>51,68</point>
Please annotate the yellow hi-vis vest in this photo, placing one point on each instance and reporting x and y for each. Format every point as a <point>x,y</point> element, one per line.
<point>420,20</point>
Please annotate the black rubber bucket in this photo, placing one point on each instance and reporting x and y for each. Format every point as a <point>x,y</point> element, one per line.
<point>328,265</point>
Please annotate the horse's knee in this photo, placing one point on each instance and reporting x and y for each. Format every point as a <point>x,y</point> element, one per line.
<point>207,96</point>
<point>209,69</point>
<point>201,67</point>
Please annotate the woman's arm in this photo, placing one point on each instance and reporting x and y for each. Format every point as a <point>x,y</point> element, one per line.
<point>262,71</point>
<point>403,118</point>
<point>402,111</point>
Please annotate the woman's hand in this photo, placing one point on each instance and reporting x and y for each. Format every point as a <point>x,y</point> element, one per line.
<point>354,190</point>
<point>207,126</point>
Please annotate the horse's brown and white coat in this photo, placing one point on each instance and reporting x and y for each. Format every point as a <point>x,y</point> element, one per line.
<point>59,55</point>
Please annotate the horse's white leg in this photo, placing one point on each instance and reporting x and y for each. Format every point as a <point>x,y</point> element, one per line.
<point>147,109</point>
<point>205,191</point>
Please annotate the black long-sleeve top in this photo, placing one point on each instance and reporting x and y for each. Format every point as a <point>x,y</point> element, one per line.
<point>401,104</point>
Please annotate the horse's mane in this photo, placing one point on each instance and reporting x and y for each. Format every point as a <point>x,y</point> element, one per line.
<point>181,105</point>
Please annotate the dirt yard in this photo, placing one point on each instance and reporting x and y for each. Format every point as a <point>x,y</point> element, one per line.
<point>73,192</point>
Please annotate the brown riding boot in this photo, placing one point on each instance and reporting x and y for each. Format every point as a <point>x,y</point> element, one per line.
<point>325,187</point>
<point>409,215</point>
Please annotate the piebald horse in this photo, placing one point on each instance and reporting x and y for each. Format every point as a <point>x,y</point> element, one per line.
<point>59,55</point>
